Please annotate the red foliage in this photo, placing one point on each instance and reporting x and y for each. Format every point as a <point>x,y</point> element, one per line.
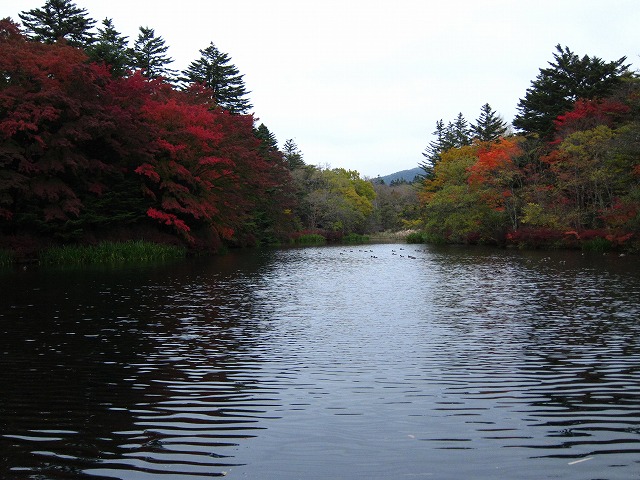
<point>588,114</point>
<point>492,157</point>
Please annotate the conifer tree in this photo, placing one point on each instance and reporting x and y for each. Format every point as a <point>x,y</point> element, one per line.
<point>292,155</point>
<point>557,87</point>
<point>59,19</point>
<point>110,48</point>
<point>489,126</point>
<point>214,71</point>
<point>454,135</point>
<point>269,142</point>
<point>149,55</point>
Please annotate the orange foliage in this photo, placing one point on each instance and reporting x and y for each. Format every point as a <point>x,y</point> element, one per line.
<point>492,157</point>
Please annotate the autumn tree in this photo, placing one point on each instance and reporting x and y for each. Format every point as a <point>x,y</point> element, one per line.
<point>214,70</point>
<point>111,49</point>
<point>556,88</point>
<point>334,199</point>
<point>149,55</point>
<point>59,19</point>
<point>489,126</point>
<point>66,134</point>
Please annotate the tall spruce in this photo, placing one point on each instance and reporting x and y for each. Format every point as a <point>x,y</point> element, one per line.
<point>268,139</point>
<point>454,135</point>
<point>557,87</point>
<point>214,71</point>
<point>489,126</point>
<point>292,155</point>
<point>59,19</point>
<point>110,48</point>
<point>149,55</point>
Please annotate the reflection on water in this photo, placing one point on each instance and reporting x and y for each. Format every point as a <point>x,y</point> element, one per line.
<point>382,361</point>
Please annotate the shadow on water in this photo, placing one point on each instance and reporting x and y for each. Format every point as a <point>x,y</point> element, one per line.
<point>374,361</point>
<point>122,372</point>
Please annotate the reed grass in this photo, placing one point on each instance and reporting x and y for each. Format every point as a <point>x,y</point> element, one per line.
<point>132,251</point>
<point>310,239</point>
<point>6,258</point>
<point>355,238</point>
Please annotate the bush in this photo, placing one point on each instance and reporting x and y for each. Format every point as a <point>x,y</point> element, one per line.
<point>416,237</point>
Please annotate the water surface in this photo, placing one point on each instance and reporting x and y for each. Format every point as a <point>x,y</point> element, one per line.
<point>377,361</point>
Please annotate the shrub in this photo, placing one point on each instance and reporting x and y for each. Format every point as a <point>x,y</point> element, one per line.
<point>416,237</point>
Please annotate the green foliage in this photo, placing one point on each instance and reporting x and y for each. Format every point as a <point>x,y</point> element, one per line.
<point>333,199</point>
<point>6,257</point>
<point>416,237</point>
<point>111,49</point>
<point>59,19</point>
<point>222,78</point>
<point>310,239</point>
<point>489,127</point>
<point>292,155</point>
<point>149,55</point>
<point>355,238</point>
<point>557,87</point>
<point>596,244</point>
<point>110,252</point>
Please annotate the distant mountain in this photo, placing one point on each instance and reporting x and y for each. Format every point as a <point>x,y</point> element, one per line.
<point>407,175</point>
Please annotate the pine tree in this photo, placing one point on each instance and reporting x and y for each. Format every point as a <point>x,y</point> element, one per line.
<point>110,48</point>
<point>292,155</point>
<point>59,19</point>
<point>269,142</point>
<point>434,149</point>
<point>489,126</point>
<point>557,87</point>
<point>460,131</point>
<point>148,55</point>
<point>214,71</point>
<point>456,134</point>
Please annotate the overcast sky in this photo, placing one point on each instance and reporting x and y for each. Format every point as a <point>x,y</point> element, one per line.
<point>360,84</point>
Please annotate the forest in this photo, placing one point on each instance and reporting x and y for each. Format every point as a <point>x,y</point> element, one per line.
<point>100,140</point>
<point>569,177</point>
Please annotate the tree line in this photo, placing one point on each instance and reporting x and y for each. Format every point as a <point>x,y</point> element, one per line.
<point>102,140</point>
<point>569,176</point>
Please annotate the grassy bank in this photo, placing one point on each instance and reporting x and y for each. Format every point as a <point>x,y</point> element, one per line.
<point>110,252</point>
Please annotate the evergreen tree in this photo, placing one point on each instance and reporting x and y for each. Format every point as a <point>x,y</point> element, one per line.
<point>149,55</point>
<point>110,48</point>
<point>59,19</point>
<point>456,134</point>
<point>434,149</point>
<point>214,71</point>
<point>292,155</point>
<point>269,142</point>
<point>460,131</point>
<point>489,126</point>
<point>557,87</point>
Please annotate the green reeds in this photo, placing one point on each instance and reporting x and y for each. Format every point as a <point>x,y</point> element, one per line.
<point>132,251</point>
<point>355,238</point>
<point>6,258</point>
<point>310,239</point>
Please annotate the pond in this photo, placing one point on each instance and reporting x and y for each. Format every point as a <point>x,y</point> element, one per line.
<point>377,361</point>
